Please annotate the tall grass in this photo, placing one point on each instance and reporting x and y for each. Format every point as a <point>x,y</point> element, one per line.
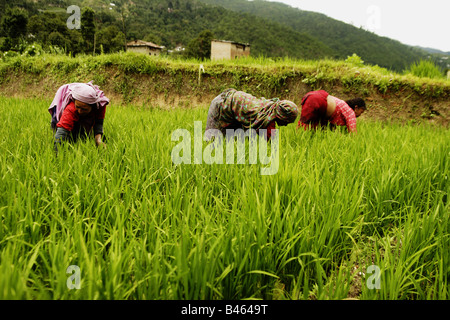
<point>140,227</point>
<point>425,69</point>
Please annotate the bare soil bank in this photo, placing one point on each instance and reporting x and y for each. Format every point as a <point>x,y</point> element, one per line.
<point>185,90</point>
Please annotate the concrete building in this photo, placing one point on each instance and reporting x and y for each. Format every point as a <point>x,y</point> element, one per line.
<point>144,47</point>
<point>221,49</point>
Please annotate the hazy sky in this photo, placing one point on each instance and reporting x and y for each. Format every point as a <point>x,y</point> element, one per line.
<point>424,23</point>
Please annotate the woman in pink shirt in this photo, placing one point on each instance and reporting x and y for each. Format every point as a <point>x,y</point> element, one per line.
<point>319,108</point>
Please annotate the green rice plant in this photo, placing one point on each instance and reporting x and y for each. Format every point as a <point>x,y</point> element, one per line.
<point>140,227</point>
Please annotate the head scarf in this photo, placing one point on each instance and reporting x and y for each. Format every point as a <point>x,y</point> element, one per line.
<point>84,92</point>
<point>286,111</point>
<point>252,112</point>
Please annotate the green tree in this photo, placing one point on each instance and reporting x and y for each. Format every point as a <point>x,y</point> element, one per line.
<point>88,28</point>
<point>57,39</point>
<point>123,8</point>
<point>76,42</point>
<point>200,47</point>
<point>5,44</point>
<point>111,39</point>
<point>14,23</point>
<point>50,29</point>
<point>40,26</point>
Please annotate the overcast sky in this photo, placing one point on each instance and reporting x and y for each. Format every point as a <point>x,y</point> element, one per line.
<point>424,23</point>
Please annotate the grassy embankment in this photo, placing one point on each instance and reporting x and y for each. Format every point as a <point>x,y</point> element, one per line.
<point>168,83</point>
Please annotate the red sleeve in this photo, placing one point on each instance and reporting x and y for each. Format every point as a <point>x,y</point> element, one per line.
<point>69,117</point>
<point>101,113</point>
<point>308,126</point>
<point>269,128</point>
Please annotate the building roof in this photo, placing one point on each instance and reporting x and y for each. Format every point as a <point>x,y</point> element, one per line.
<point>140,43</point>
<point>233,42</point>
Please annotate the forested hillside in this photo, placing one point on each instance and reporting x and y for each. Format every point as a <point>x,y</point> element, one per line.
<point>344,39</point>
<point>272,29</point>
<point>168,23</point>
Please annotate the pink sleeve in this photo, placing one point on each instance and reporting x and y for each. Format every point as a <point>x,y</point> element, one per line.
<point>350,118</point>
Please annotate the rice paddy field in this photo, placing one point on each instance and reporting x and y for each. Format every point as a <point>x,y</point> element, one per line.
<point>364,216</point>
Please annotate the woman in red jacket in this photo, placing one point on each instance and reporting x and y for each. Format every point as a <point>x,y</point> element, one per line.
<point>78,110</point>
<point>319,108</point>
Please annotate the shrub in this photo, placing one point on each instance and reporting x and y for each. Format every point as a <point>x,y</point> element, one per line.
<point>33,50</point>
<point>425,69</point>
<point>355,60</point>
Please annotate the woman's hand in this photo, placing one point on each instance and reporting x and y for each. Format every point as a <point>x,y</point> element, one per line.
<point>98,141</point>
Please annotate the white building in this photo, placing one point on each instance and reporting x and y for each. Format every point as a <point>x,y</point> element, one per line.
<point>144,47</point>
<point>221,49</point>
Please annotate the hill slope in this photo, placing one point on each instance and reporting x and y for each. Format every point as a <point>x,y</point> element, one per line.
<point>175,23</point>
<point>273,29</point>
<point>343,38</point>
